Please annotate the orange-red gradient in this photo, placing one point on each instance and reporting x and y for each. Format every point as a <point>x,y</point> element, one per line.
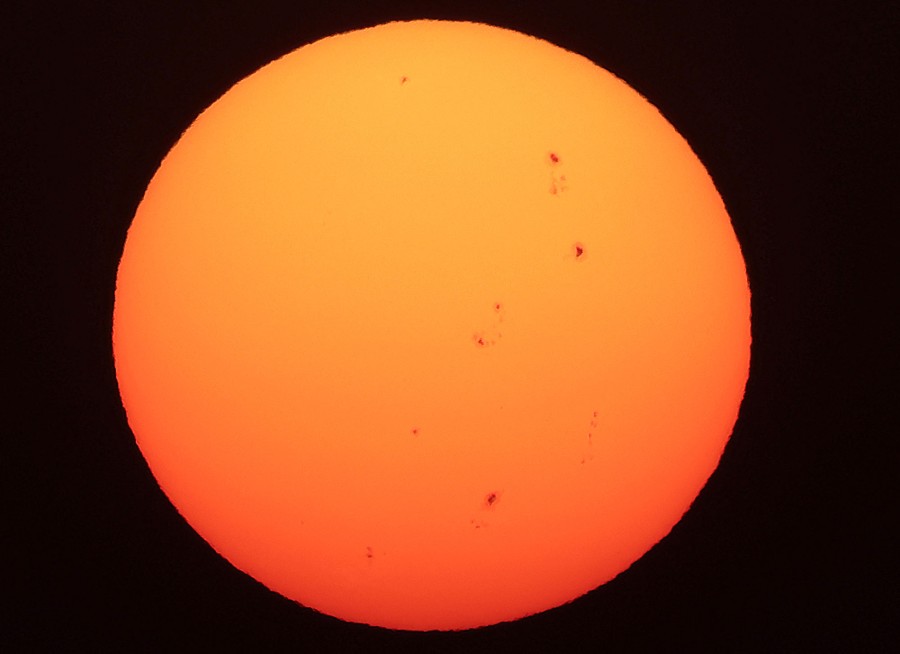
<point>432,325</point>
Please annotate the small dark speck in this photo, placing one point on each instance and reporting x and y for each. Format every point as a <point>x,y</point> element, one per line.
<point>578,248</point>
<point>554,157</point>
<point>369,553</point>
<point>490,499</point>
<point>415,431</point>
<point>403,79</point>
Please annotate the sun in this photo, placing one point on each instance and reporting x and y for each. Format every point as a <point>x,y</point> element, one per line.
<point>431,325</point>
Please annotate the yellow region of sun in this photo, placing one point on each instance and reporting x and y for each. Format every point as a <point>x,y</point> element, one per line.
<point>431,325</point>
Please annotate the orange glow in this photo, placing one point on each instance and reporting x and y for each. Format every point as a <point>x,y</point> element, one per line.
<point>432,325</point>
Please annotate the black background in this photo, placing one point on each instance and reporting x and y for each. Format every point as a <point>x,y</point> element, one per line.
<point>786,549</point>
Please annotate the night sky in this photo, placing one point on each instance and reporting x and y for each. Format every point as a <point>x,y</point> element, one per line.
<point>787,547</point>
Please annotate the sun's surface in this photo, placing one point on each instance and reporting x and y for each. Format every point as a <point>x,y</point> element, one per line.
<point>432,325</point>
